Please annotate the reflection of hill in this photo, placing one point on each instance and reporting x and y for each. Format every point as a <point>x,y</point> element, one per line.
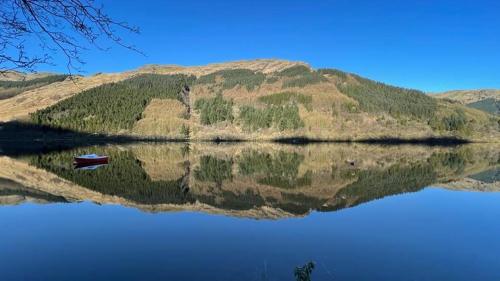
<point>12,193</point>
<point>259,180</point>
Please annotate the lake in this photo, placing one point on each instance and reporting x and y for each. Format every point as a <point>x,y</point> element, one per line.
<point>252,211</point>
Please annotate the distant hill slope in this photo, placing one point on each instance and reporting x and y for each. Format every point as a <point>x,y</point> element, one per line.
<point>487,100</point>
<point>261,99</point>
<point>12,88</point>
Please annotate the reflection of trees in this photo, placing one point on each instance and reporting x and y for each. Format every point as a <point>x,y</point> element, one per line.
<point>278,170</point>
<point>213,169</point>
<point>374,184</point>
<point>124,177</point>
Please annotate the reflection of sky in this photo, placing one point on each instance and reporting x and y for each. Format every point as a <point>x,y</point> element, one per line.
<point>429,235</point>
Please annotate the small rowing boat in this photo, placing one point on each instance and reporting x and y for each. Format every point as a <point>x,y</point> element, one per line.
<point>91,159</point>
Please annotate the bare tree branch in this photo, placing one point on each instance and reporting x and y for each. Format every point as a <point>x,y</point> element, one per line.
<point>57,26</point>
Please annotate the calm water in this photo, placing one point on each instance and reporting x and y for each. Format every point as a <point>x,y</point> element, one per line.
<point>252,212</point>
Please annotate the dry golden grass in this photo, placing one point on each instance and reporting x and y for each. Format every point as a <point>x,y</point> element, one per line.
<point>262,65</point>
<point>20,76</point>
<point>22,105</point>
<point>468,96</point>
<point>161,162</point>
<point>162,117</point>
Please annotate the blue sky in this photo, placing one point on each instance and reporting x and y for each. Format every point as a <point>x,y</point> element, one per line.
<point>428,45</point>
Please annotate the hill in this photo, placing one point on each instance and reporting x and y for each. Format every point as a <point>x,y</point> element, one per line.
<point>485,100</point>
<point>261,99</point>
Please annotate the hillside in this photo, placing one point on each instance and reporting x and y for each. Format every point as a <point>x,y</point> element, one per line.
<point>262,99</point>
<point>13,87</point>
<point>485,100</point>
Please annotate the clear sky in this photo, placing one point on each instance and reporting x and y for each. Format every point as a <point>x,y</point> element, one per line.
<point>428,45</point>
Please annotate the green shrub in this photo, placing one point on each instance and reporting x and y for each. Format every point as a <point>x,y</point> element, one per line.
<point>235,77</point>
<point>284,117</point>
<point>214,110</point>
<point>457,121</point>
<point>112,107</point>
<point>287,97</point>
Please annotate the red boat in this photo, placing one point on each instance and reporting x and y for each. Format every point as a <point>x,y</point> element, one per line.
<point>91,159</point>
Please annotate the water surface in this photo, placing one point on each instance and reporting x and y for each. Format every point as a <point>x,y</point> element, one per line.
<point>252,212</point>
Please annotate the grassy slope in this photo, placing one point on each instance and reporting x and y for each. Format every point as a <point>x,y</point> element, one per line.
<point>331,104</point>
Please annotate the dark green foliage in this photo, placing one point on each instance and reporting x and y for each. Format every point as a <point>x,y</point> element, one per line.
<point>300,76</point>
<point>112,107</point>
<point>489,105</point>
<point>378,97</point>
<point>302,81</point>
<point>10,89</point>
<point>235,77</point>
<point>284,117</point>
<point>213,169</point>
<point>303,273</point>
<point>123,177</point>
<point>214,110</point>
<point>457,121</point>
<point>278,170</point>
<point>298,70</point>
<point>287,97</point>
<point>253,119</point>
